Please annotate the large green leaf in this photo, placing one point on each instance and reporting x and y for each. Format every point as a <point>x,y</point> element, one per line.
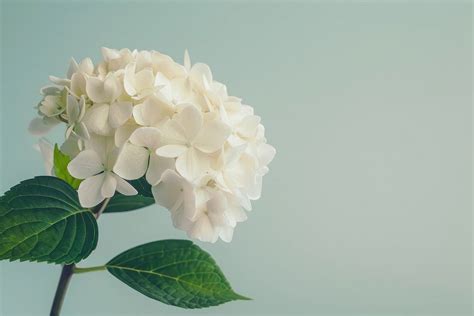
<point>61,161</point>
<point>41,220</point>
<point>123,203</point>
<point>175,272</point>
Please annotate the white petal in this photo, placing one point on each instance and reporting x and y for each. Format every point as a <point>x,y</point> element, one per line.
<point>82,108</point>
<point>78,84</point>
<point>236,214</point>
<point>167,66</point>
<point>59,81</point>
<point>153,111</point>
<point>102,91</point>
<point>122,134</point>
<point>144,80</point>
<point>157,166</point>
<point>216,207</point>
<point>171,151</point>
<point>190,118</point>
<point>71,146</point>
<point>191,164</point>
<point>226,233</point>
<point>180,220</point>
<point>97,119</point>
<point>248,126</point>
<point>139,115</point>
<point>200,72</point>
<point>72,109</point>
<point>187,60</point>
<point>146,137</point>
<point>40,126</point>
<point>109,185</point>
<point>90,193</point>
<point>95,90</point>
<point>129,79</point>
<point>212,136</point>
<point>81,130</point>
<point>47,152</point>
<point>232,154</point>
<point>255,191</point>
<point>177,195</point>
<point>132,162</point>
<point>112,155</point>
<point>244,201</point>
<point>165,86</point>
<point>109,54</point>
<point>73,67</point>
<point>220,90</point>
<point>181,88</point>
<point>86,66</point>
<point>168,193</point>
<point>124,187</point>
<point>143,59</point>
<point>112,87</point>
<point>50,90</point>
<point>173,133</point>
<point>119,113</point>
<point>87,163</point>
<point>53,105</point>
<point>243,172</point>
<point>203,230</point>
<point>68,131</point>
<point>102,145</point>
<point>266,153</point>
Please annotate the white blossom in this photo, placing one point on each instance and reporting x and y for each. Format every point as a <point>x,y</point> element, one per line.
<point>94,165</point>
<point>137,157</point>
<point>141,114</point>
<point>190,135</point>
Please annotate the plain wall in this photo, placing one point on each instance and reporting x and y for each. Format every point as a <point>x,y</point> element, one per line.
<point>367,206</point>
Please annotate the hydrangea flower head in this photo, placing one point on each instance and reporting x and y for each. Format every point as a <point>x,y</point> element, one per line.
<point>141,114</point>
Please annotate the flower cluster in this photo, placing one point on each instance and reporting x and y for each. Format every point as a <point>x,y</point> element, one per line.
<point>139,113</point>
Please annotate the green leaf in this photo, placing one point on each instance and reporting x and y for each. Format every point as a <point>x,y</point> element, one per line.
<point>142,186</point>
<point>61,161</point>
<point>123,203</point>
<point>175,272</point>
<point>41,220</point>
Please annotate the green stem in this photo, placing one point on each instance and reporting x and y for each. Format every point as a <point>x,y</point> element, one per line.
<point>102,208</point>
<point>63,283</point>
<point>88,269</point>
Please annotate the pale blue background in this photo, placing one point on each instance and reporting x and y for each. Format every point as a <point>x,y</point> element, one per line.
<point>367,208</point>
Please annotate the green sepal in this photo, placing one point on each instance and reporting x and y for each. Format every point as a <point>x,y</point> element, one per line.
<point>61,161</point>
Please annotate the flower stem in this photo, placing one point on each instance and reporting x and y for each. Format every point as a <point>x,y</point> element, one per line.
<point>69,269</point>
<point>88,269</point>
<point>102,208</point>
<point>63,283</point>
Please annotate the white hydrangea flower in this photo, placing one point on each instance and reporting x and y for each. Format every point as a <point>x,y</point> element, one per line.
<point>94,165</point>
<point>137,157</point>
<point>139,84</point>
<point>141,114</point>
<point>190,135</point>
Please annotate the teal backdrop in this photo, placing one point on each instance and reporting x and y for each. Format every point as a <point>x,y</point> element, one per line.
<point>367,207</point>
